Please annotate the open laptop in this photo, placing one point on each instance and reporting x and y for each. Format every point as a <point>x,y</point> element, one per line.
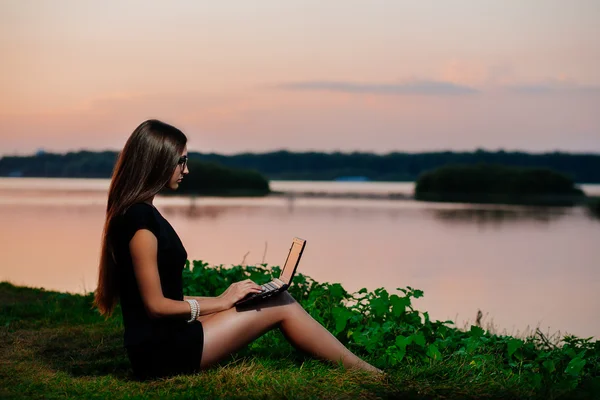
<point>280,284</point>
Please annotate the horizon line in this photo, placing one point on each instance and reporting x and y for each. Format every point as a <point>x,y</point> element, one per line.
<point>328,152</point>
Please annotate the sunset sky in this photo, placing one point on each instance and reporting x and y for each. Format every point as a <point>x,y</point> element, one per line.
<point>396,75</point>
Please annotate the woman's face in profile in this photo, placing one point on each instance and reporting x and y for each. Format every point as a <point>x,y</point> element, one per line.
<point>180,171</point>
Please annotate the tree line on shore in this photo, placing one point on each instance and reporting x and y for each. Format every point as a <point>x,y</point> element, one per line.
<point>286,165</point>
<point>477,179</point>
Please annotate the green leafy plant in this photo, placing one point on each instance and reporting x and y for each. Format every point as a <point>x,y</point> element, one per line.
<point>386,329</point>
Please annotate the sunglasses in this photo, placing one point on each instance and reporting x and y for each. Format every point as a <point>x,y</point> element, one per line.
<point>183,162</point>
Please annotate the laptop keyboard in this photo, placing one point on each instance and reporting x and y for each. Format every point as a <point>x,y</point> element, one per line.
<point>266,289</point>
<point>269,286</point>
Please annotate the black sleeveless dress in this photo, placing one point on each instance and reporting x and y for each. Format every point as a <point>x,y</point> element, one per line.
<point>164,346</point>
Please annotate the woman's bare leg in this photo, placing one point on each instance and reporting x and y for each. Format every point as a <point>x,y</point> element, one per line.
<point>228,331</point>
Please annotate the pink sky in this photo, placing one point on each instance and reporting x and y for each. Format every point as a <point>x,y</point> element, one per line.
<point>381,76</point>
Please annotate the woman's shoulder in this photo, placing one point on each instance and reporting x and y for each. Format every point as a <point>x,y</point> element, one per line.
<point>141,215</point>
<point>140,209</point>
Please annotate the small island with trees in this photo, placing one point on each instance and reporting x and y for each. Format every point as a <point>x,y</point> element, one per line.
<point>212,179</point>
<point>498,184</point>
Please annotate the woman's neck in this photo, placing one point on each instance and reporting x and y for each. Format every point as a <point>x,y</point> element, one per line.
<point>149,201</point>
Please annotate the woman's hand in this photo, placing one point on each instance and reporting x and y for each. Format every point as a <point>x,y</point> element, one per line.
<point>237,291</point>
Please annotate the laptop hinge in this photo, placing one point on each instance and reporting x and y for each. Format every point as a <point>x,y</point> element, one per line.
<point>280,282</point>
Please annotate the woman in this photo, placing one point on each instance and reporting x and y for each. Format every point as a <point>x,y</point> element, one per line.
<point>141,266</point>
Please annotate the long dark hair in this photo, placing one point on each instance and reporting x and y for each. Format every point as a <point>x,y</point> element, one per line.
<point>143,168</point>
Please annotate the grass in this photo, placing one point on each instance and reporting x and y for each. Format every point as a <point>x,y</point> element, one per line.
<point>54,346</point>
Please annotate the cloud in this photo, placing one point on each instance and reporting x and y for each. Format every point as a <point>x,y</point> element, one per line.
<point>553,87</point>
<point>408,88</point>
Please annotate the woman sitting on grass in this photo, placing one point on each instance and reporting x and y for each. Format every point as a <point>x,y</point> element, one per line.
<point>141,266</point>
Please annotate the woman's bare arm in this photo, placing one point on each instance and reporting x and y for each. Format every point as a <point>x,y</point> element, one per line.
<point>144,251</point>
<point>208,305</point>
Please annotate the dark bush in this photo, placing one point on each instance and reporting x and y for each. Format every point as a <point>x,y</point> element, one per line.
<point>214,179</point>
<point>485,183</point>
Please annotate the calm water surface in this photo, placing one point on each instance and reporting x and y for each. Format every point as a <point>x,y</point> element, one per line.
<point>523,267</point>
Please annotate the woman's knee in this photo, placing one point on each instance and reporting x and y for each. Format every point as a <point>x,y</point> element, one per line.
<point>279,300</point>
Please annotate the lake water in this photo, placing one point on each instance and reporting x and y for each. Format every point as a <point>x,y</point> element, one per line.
<point>524,267</point>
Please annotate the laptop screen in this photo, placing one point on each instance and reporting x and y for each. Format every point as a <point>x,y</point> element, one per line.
<point>291,262</point>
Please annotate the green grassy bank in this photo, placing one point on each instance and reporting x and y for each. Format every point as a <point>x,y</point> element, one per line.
<point>53,345</point>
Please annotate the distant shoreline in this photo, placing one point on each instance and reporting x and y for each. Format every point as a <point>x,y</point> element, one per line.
<point>370,190</point>
<point>342,195</point>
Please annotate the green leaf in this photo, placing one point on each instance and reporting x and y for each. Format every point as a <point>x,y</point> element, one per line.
<point>382,293</point>
<point>419,339</point>
<point>549,365</point>
<point>476,331</point>
<point>426,317</point>
<point>513,345</point>
<point>433,352</point>
<point>399,304</point>
<point>379,306</point>
<point>403,341</point>
<point>388,326</point>
<point>472,344</point>
<point>575,366</point>
<point>336,290</point>
<point>400,353</point>
<point>341,316</point>
<point>536,380</point>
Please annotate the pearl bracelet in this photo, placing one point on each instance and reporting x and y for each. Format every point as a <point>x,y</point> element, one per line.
<point>194,310</point>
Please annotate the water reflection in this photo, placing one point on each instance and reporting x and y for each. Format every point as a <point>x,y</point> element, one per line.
<point>512,271</point>
<point>542,215</point>
<point>593,209</point>
<point>490,215</point>
<point>593,215</point>
<point>198,212</point>
<point>214,212</point>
